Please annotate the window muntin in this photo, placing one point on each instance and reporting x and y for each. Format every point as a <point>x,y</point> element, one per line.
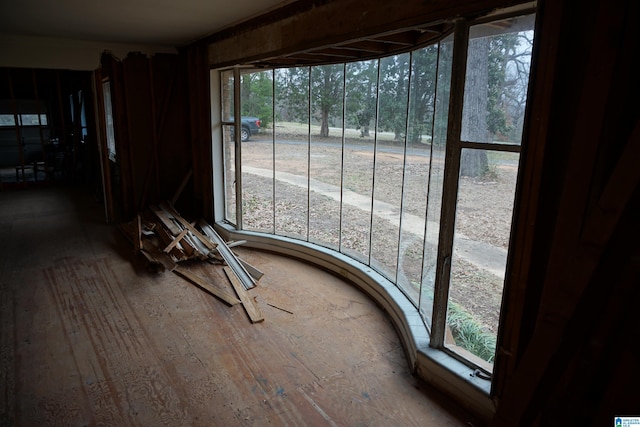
<point>375,185</point>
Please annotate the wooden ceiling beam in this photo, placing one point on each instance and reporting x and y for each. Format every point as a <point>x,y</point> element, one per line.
<point>369,46</point>
<point>309,25</point>
<point>407,38</point>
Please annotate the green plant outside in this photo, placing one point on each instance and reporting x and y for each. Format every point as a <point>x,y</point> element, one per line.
<point>469,333</point>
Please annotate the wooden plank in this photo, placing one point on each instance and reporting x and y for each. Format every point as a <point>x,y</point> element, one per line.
<point>166,239</point>
<point>249,305</point>
<point>165,220</point>
<point>200,250</point>
<point>175,241</point>
<point>204,239</point>
<point>206,286</point>
<point>183,245</point>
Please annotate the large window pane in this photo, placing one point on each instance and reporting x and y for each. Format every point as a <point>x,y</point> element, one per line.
<point>325,158</point>
<point>389,161</point>
<point>481,240</point>
<point>417,170</point>
<point>258,153</point>
<point>291,163</point>
<point>360,129</point>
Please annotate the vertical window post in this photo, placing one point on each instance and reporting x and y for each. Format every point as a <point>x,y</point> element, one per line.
<point>450,194</point>
<point>237,124</point>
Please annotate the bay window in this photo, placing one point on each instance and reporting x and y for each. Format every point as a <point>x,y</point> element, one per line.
<point>406,164</point>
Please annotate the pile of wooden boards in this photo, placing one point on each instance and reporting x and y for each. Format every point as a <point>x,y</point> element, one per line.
<point>166,239</point>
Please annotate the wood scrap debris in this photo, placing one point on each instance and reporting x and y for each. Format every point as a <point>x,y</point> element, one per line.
<point>280,308</point>
<point>166,239</point>
<point>202,283</point>
<point>232,261</point>
<point>248,303</point>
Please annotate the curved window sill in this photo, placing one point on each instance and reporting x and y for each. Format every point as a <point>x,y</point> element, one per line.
<point>436,367</point>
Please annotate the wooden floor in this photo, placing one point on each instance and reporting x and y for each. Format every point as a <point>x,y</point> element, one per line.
<point>89,337</point>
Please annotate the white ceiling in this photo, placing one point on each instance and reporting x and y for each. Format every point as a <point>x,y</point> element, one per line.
<point>159,22</point>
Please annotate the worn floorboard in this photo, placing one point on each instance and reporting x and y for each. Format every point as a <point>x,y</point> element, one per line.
<point>88,337</point>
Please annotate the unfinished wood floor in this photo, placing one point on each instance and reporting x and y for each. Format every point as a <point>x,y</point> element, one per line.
<point>90,338</point>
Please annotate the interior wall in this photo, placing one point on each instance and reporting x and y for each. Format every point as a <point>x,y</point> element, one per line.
<point>59,53</point>
<point>152,133</point>
<point>200,125</point>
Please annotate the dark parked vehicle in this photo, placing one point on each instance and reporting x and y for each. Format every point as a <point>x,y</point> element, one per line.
<point>250,126</point>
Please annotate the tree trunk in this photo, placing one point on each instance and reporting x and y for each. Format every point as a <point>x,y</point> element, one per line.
<point>324,125</point>
<point>474,163</point>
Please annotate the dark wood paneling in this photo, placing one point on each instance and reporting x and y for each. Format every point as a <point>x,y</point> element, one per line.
<point>582,253</point>
<point>153,139</point>
<point>174,149</point>
<point>200,127</point>
<point>140,120</point>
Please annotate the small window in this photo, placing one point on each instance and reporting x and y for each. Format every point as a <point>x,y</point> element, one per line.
<point>108,112</point>
<point>7,120</point>
<point>33,119</point>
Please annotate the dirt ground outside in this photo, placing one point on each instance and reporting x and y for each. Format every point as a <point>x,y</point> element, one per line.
<point>484,207</point>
